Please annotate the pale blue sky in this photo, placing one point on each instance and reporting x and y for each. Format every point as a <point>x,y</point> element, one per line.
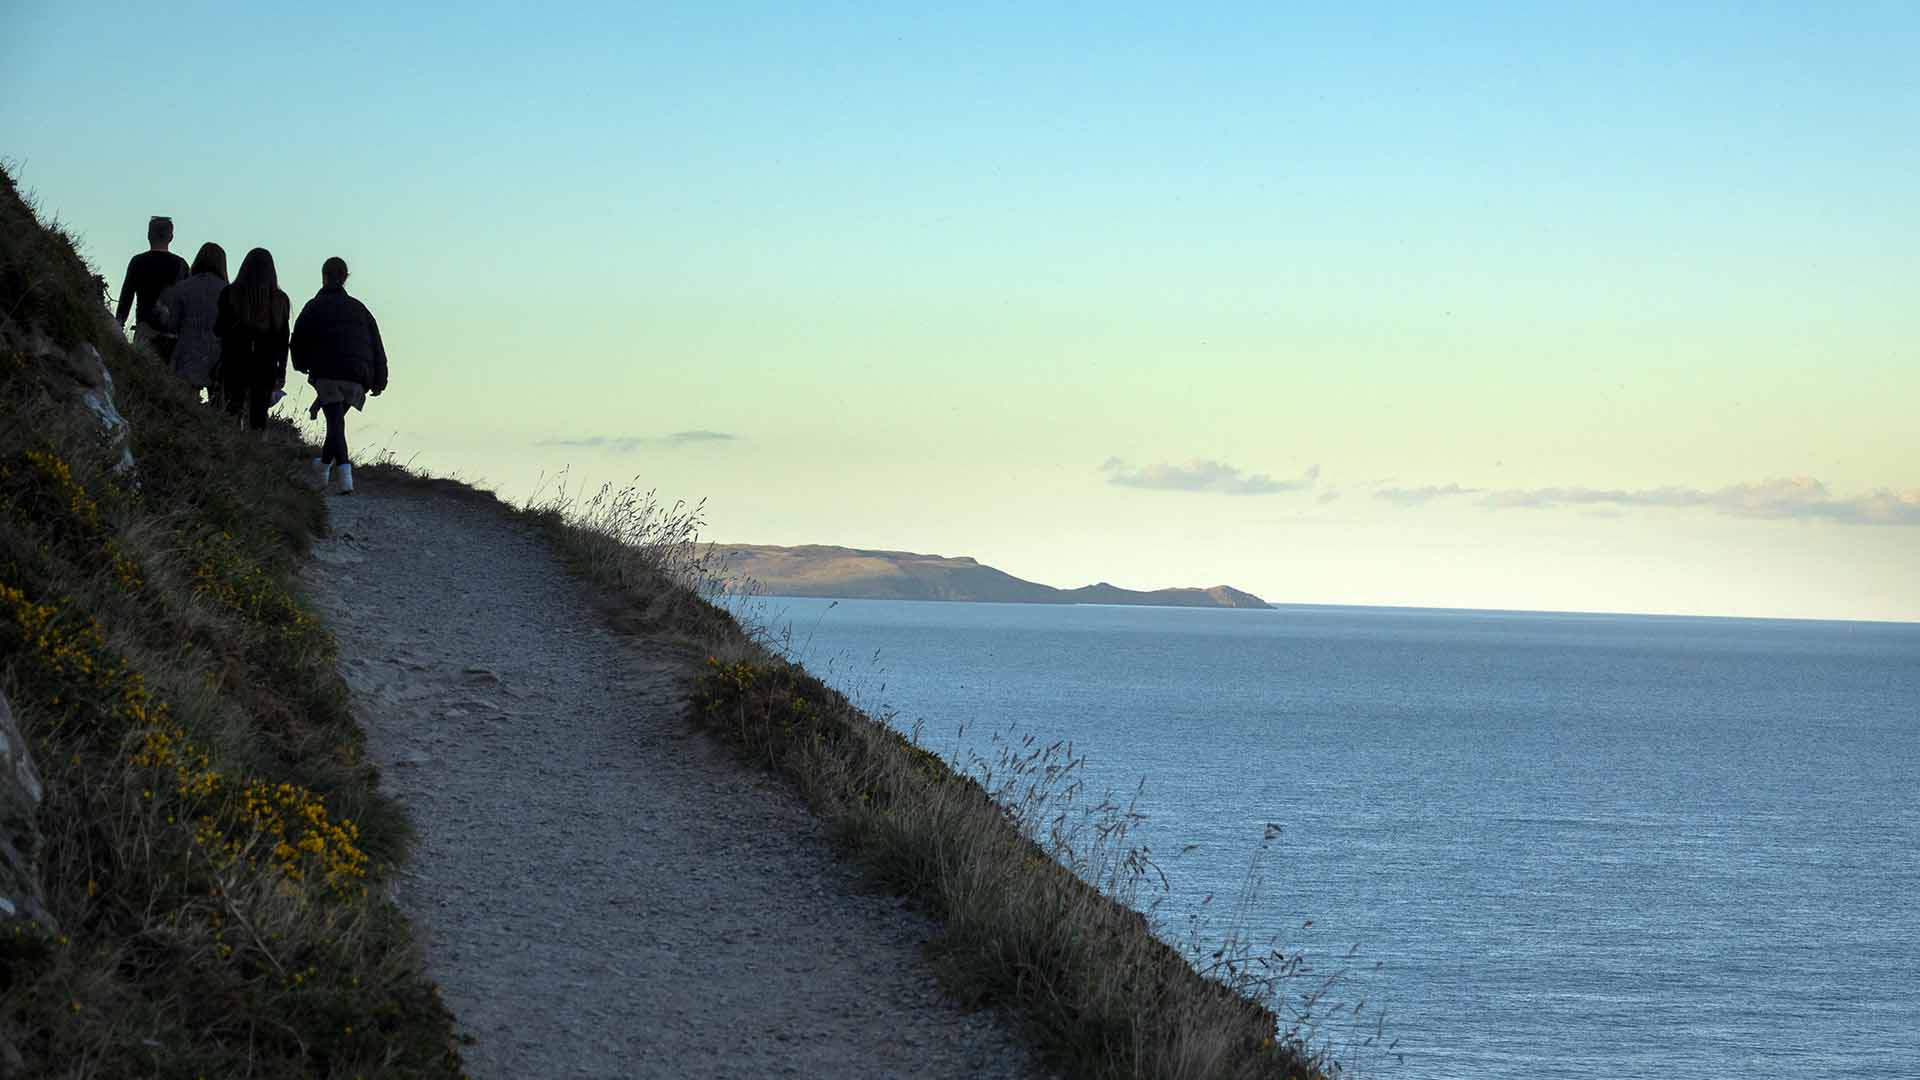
<point>932,271</point>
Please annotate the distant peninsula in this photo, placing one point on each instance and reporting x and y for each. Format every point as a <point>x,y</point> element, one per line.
<point>856,574</point>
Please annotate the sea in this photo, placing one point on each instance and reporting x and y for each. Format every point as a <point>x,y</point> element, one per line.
<point>1500,844</point>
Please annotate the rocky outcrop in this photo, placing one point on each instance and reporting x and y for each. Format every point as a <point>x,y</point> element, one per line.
<point>20,792</point>
<point>95,384</point>
<point>79,377</point>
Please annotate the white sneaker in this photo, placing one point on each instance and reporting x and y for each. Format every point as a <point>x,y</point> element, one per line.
<point>346,479</point>
<point>322,473</point>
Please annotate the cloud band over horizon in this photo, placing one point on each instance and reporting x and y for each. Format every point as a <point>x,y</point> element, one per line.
<point>1784,498</point>
<point>626,444</point>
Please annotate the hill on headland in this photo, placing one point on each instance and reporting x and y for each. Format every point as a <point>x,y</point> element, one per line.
<point>858,574</point>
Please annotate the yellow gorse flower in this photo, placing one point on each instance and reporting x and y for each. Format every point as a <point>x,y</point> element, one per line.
<point>302,842</point>
<point>54,470</point>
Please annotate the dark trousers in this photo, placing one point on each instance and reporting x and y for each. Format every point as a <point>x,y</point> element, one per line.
<point>334,450</point>
<point>246,393</point>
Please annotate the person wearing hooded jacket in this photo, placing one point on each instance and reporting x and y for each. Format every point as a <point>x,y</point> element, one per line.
<point>336,344</point>
<point>187,311</point>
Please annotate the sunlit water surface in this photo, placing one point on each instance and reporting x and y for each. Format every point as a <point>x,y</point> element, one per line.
<point>1573,845</point>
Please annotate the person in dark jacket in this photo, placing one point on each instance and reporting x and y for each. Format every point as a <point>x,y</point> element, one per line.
<point>337,345</point>
<point>251,323</point>
<point>187,311</point>
<point>148,275</point>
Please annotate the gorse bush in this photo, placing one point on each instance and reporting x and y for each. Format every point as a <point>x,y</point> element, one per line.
<point>212,848</point>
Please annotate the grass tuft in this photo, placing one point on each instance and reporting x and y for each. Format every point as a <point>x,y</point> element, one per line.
<point>646,557</point>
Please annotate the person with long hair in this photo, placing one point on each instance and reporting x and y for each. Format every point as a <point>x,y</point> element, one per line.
<point>251,324</point>
<point>187,311</point>
<point>337,344</point>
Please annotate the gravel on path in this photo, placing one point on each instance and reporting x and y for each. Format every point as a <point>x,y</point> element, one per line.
<point>601,891</point>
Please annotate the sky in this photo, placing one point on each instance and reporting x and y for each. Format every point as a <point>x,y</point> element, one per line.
<point>1461,305</point>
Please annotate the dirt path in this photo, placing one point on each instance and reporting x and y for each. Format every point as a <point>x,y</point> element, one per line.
<point>602,892</point>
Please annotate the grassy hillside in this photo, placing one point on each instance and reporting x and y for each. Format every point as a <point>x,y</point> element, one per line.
<point>211,847</point>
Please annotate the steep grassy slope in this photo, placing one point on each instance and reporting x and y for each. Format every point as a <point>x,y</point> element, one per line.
<point>210,847</point>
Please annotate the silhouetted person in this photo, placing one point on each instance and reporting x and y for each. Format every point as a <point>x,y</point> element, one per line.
<point>337,344</point>
<point>187,310</point>
<point>251,323</point>
<point>148,275</point>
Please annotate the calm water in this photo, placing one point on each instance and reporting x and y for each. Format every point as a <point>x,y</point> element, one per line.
<point>1576,845</point>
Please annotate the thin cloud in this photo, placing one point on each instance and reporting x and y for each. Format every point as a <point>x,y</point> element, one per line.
<point>1215,476</point>
<point>684,438</point>
<point>626,444</point>
<point>1418,496</point>
<point>1541,498</point>
<point>1800,498</point>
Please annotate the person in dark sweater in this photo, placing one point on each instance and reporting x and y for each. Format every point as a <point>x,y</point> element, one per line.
<point>337,345</point>
<point>148,275</point>
<point>251,322</point>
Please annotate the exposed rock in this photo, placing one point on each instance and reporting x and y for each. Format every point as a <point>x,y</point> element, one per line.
<point>20,793</point>
<point>80,377</point>
<point>96,396</point>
